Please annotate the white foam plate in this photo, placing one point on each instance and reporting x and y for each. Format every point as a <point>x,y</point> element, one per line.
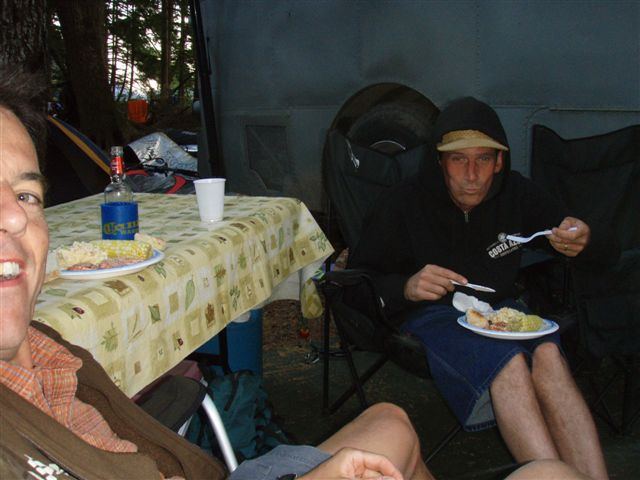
<point>548,326</point>
<point>102,273</point>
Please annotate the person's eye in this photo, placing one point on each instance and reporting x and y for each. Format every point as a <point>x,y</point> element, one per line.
<point>486,159</point>
<point>458,159</point>
<point>30,198</point>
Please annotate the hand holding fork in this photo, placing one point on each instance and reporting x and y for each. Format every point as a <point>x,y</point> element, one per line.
<point>569,238</point>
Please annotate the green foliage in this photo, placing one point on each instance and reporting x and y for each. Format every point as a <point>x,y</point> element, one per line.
<point>134,32</point>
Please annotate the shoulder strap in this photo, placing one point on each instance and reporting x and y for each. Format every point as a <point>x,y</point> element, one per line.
<point>37,431</point>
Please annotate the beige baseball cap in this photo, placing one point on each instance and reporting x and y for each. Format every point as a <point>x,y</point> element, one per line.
<point>459,139</point>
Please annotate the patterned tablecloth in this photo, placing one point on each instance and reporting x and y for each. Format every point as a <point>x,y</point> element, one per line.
<point>140,325</point>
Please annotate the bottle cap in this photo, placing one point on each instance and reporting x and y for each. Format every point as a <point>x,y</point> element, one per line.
<point>117,151</point>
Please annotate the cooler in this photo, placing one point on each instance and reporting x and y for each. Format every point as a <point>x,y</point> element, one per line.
<point>244,340</point>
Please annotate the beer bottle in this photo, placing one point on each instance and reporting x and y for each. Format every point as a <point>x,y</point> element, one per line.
<point>117,190</point>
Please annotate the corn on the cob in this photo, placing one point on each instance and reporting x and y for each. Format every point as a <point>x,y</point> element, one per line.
<point>124,248</point>
<point>155,242</point>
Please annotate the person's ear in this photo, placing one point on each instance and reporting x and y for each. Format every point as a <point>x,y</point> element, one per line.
<point>499,163</point>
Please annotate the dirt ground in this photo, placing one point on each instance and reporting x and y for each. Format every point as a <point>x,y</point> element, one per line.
<point>293,380</point>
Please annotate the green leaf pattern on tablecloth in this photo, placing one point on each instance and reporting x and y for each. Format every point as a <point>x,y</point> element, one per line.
<point>57,292</point>
<point>159,268</point>
<point>220,274</point>
<point>235,296</point>
<point>320,240</point>
<point>110,339</point>
<point>189,294</point>
<point>154,311</point>
<point>139,326</point>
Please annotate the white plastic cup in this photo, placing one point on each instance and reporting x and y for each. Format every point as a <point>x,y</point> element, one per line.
<point>210,196</point>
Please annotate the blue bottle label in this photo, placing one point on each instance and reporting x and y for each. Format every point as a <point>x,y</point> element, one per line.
<point>119,220</point>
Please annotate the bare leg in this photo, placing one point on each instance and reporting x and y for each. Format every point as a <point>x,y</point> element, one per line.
<point>567,414</point>
<point>549,469</point>
<point>518,413</point>
<point>385,429</point>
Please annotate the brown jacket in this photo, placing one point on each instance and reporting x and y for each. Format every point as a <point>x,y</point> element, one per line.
<point>31,441</point>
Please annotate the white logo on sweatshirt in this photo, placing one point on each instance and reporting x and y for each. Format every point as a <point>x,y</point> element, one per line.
<point>500,249</point>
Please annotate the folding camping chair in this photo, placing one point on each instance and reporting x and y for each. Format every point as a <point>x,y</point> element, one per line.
<point>598,178</point>
<point>354,177</point>
<point>177,396</point>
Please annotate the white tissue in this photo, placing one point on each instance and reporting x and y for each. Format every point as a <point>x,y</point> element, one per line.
<point>464,302</point>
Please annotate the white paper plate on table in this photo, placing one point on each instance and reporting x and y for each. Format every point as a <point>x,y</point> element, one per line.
<point>548,326</point>
<point>102,273</point>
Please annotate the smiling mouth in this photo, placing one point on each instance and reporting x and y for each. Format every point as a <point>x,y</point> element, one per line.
<point>9,270</point>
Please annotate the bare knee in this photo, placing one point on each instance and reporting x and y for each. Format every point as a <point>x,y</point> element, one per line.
<point>511,374</point>
<point>392,419</point>
<point>388,411</point>
<point>389,416</point>
<point>548,362</point>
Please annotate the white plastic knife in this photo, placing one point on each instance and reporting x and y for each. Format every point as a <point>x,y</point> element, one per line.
<point>480,288</point>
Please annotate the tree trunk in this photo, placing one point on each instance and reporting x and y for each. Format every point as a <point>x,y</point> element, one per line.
<point>133,70</point>
<point>114,48</point>
<point>167,22</point>
<point>23,35</point>
<point>83,28</point>
<point>131,38</point>
<point>181,57</point>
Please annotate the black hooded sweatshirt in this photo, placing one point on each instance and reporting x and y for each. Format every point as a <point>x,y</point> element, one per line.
<point>417,223</point>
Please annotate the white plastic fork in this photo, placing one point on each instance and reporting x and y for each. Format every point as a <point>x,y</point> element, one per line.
<point>518,239</point>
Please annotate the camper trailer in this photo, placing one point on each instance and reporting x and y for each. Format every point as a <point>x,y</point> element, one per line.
<point>280,74</point>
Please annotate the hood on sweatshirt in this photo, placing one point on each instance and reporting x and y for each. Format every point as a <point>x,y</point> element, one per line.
<point>466,114</point>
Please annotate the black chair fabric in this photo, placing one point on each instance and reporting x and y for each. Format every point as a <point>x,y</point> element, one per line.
<point>173,401</point>
<point>598,178</point>
<point>354,178</point>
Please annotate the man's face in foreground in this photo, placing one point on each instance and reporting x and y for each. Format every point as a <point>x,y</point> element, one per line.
<point>24,236</point>
<point>468,174</point>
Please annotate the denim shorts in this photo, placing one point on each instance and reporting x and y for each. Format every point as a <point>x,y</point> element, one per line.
<point>463,364</point>
<point>283,459</point>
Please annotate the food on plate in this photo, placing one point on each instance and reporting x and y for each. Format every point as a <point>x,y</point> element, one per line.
<point>79,252</point>
<point>109,263</point>
<point>101,254</point>
<point>477,319</point>
<point>155,242</point>
<point>504,320</point>
<point>125,248</point>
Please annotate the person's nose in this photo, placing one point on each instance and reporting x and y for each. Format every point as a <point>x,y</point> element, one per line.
<point>472,171</point>
<point>13,218</point>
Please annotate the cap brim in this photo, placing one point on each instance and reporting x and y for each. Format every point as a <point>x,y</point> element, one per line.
<point>470,143</point>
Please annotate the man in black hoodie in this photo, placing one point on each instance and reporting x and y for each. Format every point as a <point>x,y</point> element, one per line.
<point>448,225</point>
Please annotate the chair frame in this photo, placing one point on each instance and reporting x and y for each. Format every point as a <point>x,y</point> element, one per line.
<point>339,279</point>
<point>218,429</point>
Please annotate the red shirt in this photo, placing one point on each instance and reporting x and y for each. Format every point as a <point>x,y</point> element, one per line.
<point>51,386</point>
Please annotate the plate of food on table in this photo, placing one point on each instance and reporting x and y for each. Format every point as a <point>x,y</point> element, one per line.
<point>505,323</point>
<point>100,259</point>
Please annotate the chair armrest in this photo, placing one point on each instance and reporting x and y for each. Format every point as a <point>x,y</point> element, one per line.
<point>335,281</point>
<point>347,277</point>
